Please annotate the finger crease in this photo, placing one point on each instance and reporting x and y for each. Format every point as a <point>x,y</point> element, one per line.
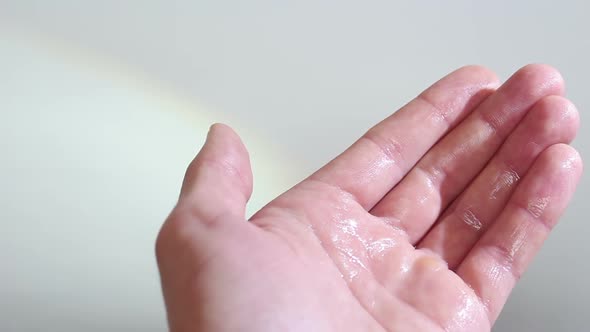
<point>437,111</point>
<point>389,147</point>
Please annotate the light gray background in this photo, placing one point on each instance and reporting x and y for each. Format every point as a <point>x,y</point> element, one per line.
<point>103,103</point>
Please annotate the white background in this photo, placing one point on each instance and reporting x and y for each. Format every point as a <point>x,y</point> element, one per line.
<point>103,103</point>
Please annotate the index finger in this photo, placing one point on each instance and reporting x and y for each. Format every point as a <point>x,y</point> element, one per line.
<point>379,159</point>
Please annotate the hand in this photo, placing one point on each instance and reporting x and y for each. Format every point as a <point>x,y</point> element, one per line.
<point>424,224</point>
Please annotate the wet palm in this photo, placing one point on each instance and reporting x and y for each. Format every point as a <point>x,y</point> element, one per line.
<point>423,224</point>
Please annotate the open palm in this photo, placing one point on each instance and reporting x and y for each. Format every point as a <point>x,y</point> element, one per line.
<point>424,224</point>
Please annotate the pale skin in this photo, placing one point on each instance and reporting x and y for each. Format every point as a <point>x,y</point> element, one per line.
<point>425,223</point>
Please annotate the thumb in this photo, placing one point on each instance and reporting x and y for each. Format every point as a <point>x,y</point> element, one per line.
<point>216,188</point>
<point>219,180</point>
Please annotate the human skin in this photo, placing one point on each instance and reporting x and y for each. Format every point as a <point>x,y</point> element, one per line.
<point>424,224</point>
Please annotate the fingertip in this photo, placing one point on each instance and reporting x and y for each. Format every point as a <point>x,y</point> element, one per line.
<point>571,159</point>
<point>563,106</point>
<point>540,79</point>
<point>478,71</point>
<point>223,130</point>
<point>564,159</point>
<point>226,136</point>
<point>557,113</point>
<point>563,151</point>
<point>225,152</point>
<point>478,74</point>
